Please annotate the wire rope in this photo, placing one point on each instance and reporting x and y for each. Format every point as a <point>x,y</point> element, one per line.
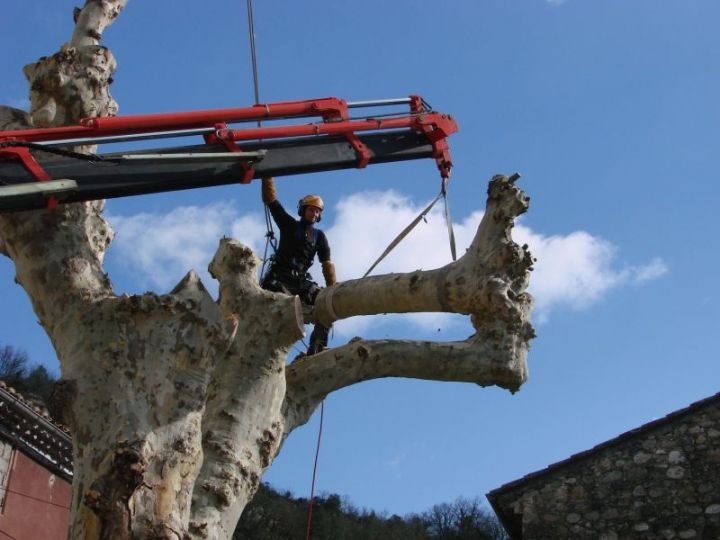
<point>270,234</point>
<point>253,52</point>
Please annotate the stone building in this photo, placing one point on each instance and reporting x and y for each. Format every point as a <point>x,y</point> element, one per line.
<point>659,481</point>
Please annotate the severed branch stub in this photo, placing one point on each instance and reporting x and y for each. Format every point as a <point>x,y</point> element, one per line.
<point>488,283</point>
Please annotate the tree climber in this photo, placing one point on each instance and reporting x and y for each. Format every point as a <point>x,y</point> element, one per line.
<point>299,242</point>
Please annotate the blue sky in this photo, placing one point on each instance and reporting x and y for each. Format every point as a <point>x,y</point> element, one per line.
<point>610,111</point>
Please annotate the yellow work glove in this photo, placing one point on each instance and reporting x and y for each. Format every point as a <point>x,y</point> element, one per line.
<point>269,193</point>
<point>328,270</point>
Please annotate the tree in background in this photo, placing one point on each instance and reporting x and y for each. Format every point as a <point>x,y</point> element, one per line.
<point>464,519</point>
<point>35,384</point>
<point>272,515</point>
<point>13,365</point>
<point>178,403</point>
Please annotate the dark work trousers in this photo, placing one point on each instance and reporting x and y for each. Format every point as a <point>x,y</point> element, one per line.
<point>279,279</point>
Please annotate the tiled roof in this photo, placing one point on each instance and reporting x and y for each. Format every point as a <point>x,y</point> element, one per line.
<point>31,429</point>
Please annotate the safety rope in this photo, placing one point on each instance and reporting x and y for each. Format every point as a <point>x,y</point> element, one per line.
<point>270,242</point>
<point>308,530</point>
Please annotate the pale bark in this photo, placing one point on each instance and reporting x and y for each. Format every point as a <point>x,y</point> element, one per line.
<point>311,379</point>
<point>12,118</point>
<point>140,372</point>
<point>91,21</point>
<point>488,283</point>
<point>75,82</point>
<point>243,425</point>
<point>178,403</point>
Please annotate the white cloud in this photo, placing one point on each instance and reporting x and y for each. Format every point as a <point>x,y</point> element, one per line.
<point>576,270</point>
<point>365,223</point>
<point>158,250</point>
<point>652,270</point>
<point>395,462</point>
<point>573,271</point>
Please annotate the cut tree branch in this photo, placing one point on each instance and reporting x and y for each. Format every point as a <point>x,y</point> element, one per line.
<point>74,83</point>
<point>488,283</point>
<point>92,19</point>
<point>475,360</point>
<point>492,275</point>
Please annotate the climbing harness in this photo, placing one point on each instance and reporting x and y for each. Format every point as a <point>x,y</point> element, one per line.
<point>270,242</point>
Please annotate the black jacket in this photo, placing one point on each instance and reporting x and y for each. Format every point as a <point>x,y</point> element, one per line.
<point>299,241</point>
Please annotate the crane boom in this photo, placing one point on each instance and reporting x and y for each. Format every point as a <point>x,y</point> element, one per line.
<point>228,155</point>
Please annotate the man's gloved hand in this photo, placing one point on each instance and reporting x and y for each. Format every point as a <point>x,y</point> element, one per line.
<point>269,193</point>
<point>328,270</point>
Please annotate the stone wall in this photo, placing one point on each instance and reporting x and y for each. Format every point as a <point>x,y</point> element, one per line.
<point>658,483</point>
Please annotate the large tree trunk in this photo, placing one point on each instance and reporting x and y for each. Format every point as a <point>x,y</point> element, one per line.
<point>179,403</point>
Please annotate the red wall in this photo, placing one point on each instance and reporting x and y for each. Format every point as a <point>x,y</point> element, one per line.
<point>37,503</point>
